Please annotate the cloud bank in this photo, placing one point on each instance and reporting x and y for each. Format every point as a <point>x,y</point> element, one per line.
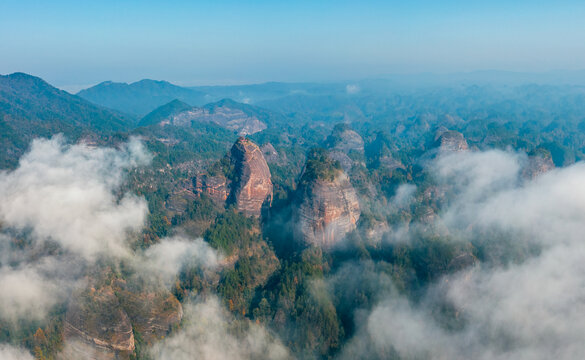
<point>59,213</point>
<point>532,309</point>
<point>210,332</point>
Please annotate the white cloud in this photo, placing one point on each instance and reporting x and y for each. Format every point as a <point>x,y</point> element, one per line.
<point>163,261</point>
<point>531,310</point>
<point>8,352</point>
<point>352,89</point>
<point>61,198</point>
<point>209,332</point>
<point>65,193</point>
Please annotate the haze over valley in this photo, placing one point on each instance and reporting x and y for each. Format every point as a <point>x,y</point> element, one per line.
<point>384,182</point>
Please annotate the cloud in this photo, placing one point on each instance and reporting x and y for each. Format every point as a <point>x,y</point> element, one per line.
<point>59,213</point>
<point>8,352</point>
<point>26,293</point>
<point>66,193</point>
<point>210,332</point>
<point>534,309</point>
<point>352,89</point>
<point>404,195</point>
<point>163,261</point>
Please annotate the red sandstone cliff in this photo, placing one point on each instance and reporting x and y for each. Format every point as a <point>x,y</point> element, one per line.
<point>328,210</point>
<point>252,186</point>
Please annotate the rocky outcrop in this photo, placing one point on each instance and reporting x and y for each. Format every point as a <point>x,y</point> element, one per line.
<point>252,185</point>
<point>379,153</point>
<point>270,154</point>
<point>96,324</point>
<point>344,139</point>
<point>153,314</point>
<point>537,165</point>
<point>327,210</point>
<point>344,142</point>
<point>451,141</point>
<point>213,186</point>
<point>179,200</point>
<point>227,114</point>
<point>345,161</point>
<point>101,321</point>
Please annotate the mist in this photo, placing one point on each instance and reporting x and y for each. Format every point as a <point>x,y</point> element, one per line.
<point>62,214</point>
<point>532,309</point>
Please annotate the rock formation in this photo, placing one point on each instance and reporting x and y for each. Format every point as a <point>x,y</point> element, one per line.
<point>153,314</point>
<point>537,165</point>
<point>225,113</point>
<point>379,153</point>
<point>327,207</point>
<point>100,322</point>
<point>213,186</point>
<point>451,141</point>
<point>342,142</point>
<point>96,325</point>
<point>270,154</point>
<point>344,139</point>
<point>252,186</point>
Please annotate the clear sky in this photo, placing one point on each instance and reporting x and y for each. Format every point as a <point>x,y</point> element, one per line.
<point>75,42</point>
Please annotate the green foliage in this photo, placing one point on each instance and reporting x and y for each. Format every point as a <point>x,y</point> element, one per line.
<point>200,209</point>
<point>44,339</point>
<point>231,231</point>
<point>320,166</point>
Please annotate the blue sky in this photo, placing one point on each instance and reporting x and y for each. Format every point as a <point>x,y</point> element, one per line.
<point>78,43</point>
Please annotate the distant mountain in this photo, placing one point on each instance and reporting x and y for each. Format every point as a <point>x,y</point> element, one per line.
<point>163,112</point>
<point>254,93</point>
<point>30,107</point>
<point>141,97</point>
<point>241,118</point>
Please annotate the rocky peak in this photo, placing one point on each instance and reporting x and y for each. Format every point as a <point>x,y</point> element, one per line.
<point>328,206</point>
<point>379,153</point>
<point>227,114</point>
<point>252,184</point>
<point>539,162</point>
<point>344,142</point>
<point>96,323</point>
<point>450,141</point>
<point>344,139</point>
<point>213,186</point>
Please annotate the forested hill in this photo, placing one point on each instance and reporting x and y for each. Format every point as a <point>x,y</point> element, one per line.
<point>30,107</point>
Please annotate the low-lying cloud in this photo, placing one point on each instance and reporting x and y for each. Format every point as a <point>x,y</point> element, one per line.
<point>163,261</point>
<point>210,332</point>
<point>59,213</point>
<point>8,352</point>
<point>65,193</point>
<point>534,309</point>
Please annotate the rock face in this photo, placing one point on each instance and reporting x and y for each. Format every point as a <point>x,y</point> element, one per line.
<point>327,211</point>
<point>379,153</point>
<point>153,314</point>
<point>536,166</point>
<point>224,113</point>
<point>100,323</point>
<point>96,325</point>
<point>342,142</point>
<point>345,161</point>
<point>252,186</point>
<point>213,186</point>
<point>270,154</point>
<point>345,140</point>
<point>451,141</point>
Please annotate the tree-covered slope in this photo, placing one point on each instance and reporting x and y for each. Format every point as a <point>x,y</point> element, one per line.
<point>30,107</point>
